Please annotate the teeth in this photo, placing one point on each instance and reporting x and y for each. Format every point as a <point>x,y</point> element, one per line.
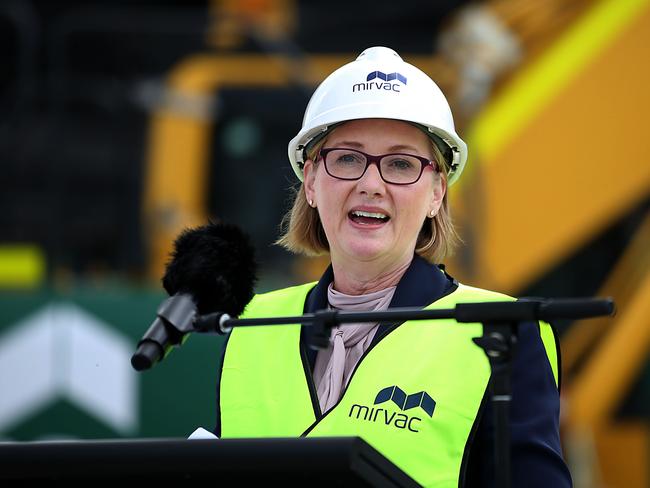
<point>361,213</point>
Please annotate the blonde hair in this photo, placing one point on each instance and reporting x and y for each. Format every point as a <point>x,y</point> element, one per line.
<point>302,231</point>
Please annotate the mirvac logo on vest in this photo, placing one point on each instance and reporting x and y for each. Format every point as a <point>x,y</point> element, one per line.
<point>403,401</point>
<point>382,81</point>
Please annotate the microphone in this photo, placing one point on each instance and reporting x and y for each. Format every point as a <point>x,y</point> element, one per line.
<point>212,269</point>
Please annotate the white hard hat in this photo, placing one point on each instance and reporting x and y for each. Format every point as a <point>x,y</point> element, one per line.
<point>379,84</point>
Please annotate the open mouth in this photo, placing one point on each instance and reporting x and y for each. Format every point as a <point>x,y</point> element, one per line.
<point>368,218</point>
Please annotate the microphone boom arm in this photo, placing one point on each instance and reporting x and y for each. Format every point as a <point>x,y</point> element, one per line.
<point>517,311</point>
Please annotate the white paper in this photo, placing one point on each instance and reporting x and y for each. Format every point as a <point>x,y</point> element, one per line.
<point>201,433</point>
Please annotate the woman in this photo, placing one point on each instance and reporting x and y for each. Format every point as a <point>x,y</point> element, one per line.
<point>376,154</point>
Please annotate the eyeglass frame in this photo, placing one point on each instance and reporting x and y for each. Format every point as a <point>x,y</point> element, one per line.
<point>376,159</point>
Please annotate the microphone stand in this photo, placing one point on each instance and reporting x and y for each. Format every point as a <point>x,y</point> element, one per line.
<point>498,341</point>
<point>501,321</point>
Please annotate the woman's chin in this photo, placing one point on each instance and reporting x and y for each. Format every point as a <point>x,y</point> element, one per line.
<point>367,251</point>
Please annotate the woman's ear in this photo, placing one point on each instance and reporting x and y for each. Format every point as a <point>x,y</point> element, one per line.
<point>439,190</point>
<point>308,181</point>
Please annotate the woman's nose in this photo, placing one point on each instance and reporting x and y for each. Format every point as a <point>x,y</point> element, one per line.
<point>371,182</point>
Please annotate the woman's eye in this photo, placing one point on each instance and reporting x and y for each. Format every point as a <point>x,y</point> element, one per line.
<point>401,164</point>
<point>348,158</point>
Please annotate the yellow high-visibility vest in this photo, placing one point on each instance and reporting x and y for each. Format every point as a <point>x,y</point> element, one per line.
<point>414,395</point>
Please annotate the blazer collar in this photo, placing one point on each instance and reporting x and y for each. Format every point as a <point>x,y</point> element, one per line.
<point>422,284</point>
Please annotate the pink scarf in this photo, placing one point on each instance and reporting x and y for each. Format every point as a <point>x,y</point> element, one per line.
<point>335,364</point>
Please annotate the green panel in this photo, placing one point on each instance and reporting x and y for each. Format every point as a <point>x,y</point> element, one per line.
<point>61,420</point>
<point>14,306</point>
<point>176,396</point>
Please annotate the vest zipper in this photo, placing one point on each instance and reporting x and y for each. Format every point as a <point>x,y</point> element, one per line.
<point>471,438</point>
<point>310,379</point>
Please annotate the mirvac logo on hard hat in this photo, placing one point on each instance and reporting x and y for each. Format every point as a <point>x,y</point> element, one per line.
<point>403,401</point>
<point>383,82</point>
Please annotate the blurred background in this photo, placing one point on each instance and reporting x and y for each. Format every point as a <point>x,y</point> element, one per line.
<point>121,123</point>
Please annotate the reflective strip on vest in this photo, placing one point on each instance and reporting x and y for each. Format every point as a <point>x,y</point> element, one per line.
<point>414,396</point>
